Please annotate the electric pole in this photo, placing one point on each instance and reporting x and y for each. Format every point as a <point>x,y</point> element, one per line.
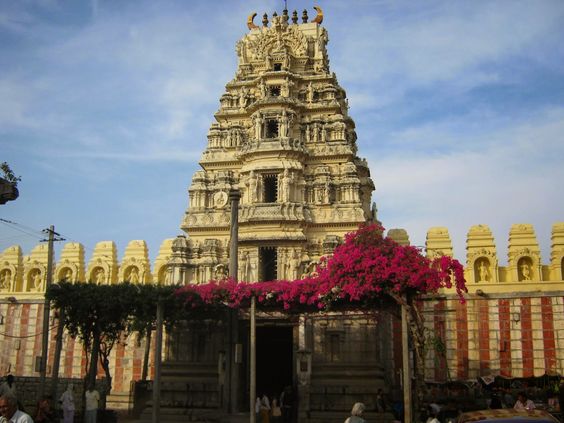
<point>46,307</point>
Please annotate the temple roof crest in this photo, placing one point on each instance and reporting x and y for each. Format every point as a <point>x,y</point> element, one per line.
<point>278,39</point>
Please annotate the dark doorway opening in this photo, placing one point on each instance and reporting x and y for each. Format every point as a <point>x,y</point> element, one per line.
<point>271,128</point>
<point>270,183</point>
<point>268,263</point>
<point>274,360</point>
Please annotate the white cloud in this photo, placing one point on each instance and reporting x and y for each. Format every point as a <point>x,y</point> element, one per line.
<point>512,177</point>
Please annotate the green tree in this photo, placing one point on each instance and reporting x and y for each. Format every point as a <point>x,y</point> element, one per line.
<point>98,315</point>
<point>144,314</point>
<point>9,174</point>
<point>370,266</point>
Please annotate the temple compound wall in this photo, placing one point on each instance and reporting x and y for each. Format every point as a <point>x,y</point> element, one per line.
<point>511,324</point>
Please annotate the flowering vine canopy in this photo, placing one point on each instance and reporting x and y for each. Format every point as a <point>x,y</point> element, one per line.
<point>367,267</point>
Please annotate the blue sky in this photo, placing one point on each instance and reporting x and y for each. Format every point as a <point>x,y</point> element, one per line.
<point>105,106</point>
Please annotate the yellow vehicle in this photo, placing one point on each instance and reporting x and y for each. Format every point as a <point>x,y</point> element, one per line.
<point>507,415</point>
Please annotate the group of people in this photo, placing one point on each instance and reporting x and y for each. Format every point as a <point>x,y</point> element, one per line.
<point>11,410</point>
<point>276,409</point>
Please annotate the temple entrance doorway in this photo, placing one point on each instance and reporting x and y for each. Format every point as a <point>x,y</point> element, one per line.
<point>274,359</point>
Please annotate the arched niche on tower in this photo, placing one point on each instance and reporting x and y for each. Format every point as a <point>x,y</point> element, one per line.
<point>525,269</point>
<point>99,273</point>
<point>164,275</point>
<point>7,277</point>
<point>66,272</point>
<point>525,266</point>
<point>483,270</point>
<point>524,261</point>
<point>132,274</point>
<point>11,269</point>
<point>483,267</point>
<point>557,252</point>
<point>34,278</point>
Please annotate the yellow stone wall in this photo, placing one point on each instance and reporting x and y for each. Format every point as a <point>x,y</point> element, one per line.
<point>512,322</point>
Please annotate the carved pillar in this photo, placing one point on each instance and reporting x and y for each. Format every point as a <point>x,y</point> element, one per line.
<point>233,367</point>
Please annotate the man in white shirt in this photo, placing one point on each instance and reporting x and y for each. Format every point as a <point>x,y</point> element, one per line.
<point>9,411</point>
<point>92,397</point>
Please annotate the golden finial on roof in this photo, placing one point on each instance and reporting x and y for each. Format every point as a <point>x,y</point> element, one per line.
<point>319,18</point>
<point>294,17</point>
<point>250,23</point>
<point>304,16</point>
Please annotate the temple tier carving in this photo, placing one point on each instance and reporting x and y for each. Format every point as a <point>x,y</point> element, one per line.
<point>282,136</point>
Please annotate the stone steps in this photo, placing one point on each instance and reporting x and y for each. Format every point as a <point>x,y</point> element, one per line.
<point>181,415</point>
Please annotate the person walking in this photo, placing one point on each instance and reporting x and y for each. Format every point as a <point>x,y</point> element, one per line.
<point>287,404</point>
<point>276,411</point>
<point>356,413</point>
<point>265,409</point>
<point>92,398</point>
<point>67,404</point>
<point>8,386</point>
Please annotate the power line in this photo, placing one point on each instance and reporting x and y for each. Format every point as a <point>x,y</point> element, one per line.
<point>22,228</point>
<point>27,336</point>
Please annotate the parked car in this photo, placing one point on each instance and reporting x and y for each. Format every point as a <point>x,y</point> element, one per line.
<point>507,415</point>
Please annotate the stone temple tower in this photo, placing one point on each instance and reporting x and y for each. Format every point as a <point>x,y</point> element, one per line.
<point>283,137</point>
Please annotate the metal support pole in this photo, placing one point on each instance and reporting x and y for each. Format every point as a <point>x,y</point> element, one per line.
<point>406,373</point>
<point>57,355</point>
<point>46,310</point>
<point>158,359</point>
<point>234,196</point>
<point>232,369</point>
<point>253,367</point>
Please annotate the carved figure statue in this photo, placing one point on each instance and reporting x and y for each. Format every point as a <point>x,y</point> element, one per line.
<point>133,275</point>
<point>36,281</point>
<point>258,126</point>
<point>241,52</point>
<point>315,131</point>
<point>284,126</point>
<point>294,265</point>
<point>253,184</point>
<point>100,276</point>
<point>526,271</point>
<point>309,94</point>
<point>484,272</point>
<point>5,279</point>
<point>286,61</point>
<point>243,97</point>
<point>262,88</point>
<point>268,61</point>
<point>67,276</point>
<point>282,264</point>
<point>285,182</point>
<point>220,272</point>
<point>285,88</point>
<point>326,192</point>
<point>246,267</point>
<point>322,41</point>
